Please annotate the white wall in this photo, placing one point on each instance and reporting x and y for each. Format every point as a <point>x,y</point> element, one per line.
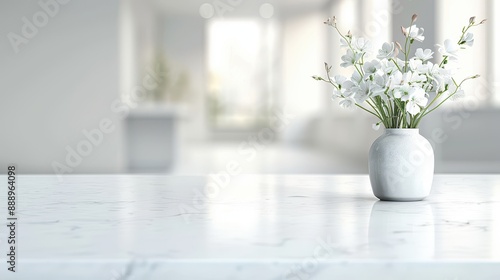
<point>185,46</point>
<point>303,43</point>
<point>61,82</point>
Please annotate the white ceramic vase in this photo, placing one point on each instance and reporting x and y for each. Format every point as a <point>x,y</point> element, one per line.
<point>401,165</point>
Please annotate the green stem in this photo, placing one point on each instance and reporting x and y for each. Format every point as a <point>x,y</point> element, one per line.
<point>359,106</point>
<point>350,47</point>
<point>395,63</point>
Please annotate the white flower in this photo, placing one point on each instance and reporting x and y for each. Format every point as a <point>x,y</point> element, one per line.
<point>348,92</point>
<point>337,93</point>
<point>350,58</point>
<point>402,91</point>
<point>449,49</point>
<point>379,85</point>
<point>377,90</point>
<point>381,80</point>
<point>429,68</point>
<point>468,39</point>
<point>363,92</point>
<point>387,51</point>
<point>408,92</point>
<point>413,77</point>
<point>361,44</point>
<point>347,102</point>
<point>356,77</point>
<point>371,67</point>
<point>395,79</point>
<point>442,78</point>
<point>415,33</point>
<point>412,108</point>
<point>414,63</point>
<point>416,99</point>
<point>424,55</point>
<point>339,79</point>
<point>349,88</point>
<point>387,66</point>
<point>348,85</point>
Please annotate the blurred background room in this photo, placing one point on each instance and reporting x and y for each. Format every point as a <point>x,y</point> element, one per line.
<point>186,87</point>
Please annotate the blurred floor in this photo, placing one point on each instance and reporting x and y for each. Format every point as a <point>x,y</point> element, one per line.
<point>272,159</point>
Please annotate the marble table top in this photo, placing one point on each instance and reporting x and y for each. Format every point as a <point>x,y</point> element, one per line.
<point>251,227</point>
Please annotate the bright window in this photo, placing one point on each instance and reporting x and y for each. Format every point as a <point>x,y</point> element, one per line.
<point>240,68</point>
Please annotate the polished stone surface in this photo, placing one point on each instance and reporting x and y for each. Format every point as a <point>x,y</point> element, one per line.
<point>252,227</point>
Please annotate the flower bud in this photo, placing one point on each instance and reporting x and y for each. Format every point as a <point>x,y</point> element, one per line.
<point>483,21</point>
<point>331,21</point>
<point>404,31</point>
<point>399,46</point>
<point>472,20</point>
<point>349,34</point>
<point>396,52</point>
<point>414,18</point>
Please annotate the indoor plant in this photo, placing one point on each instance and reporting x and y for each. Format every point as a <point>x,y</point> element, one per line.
<point>399,92</point>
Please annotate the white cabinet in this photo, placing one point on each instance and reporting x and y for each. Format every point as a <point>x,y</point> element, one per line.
<point>151,139</point>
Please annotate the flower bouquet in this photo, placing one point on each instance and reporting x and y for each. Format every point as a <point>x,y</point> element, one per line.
<point>399,87</point>
<point>399,92</point>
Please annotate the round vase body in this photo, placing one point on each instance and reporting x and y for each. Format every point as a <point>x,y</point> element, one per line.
<point>401,165</point>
